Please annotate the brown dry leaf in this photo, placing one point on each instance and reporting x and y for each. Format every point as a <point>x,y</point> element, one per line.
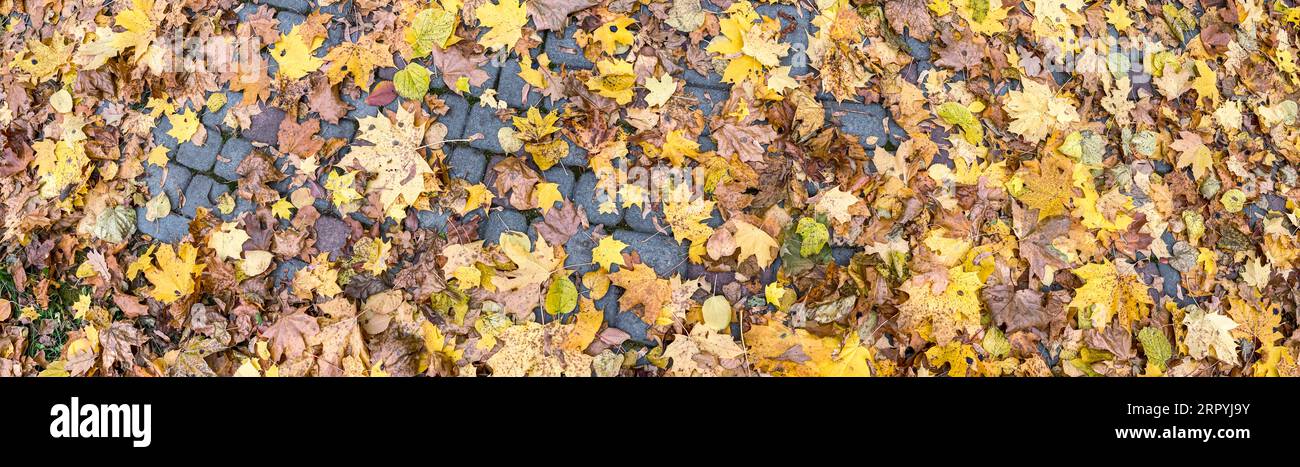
<point>288,335</point>
<point>300,139</point>
<point>515,179</point>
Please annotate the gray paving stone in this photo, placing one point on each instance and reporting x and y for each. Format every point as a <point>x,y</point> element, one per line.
<point>586,196</point>
<point>842,255</point>
<point>300,6</point>
<point>160,135</point>
<point>632,324</point>
<point>499,221</point>
<point>244,10</point>
<point>272,66</point>
<point>467,164</point>
<point>289,19</point>
<point>360,109</point>
<point>577,156</point>
<point>173,183</point>
<point>660,252</point>
<point>563,50</point>
<point>285,271</point>
<point>232,154</point>
<point>340,9</point>
<point>218,190</point>
<point>510,88</point>
<point>562,176</point>
<point>434,220</point>
<point>333,37</point>
<point>917,49</point>
<point>331,234</point>
<point>388,73</point>
<point>484,120</point>
<point>493,70</point>
<point>172,228</point>
<point>214,119</point>
<point>712,80</point>
<point>457,113</point>
<point>863,121</point>
<point>265,126</point>
<point>200,158</point>
<point>579,248</point>
<point>644,220</point>
<point>346,128</point>
<point>242,206</point>
<point>197,194</point>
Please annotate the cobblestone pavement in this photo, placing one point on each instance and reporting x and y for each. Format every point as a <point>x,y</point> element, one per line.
<point>198,176</point>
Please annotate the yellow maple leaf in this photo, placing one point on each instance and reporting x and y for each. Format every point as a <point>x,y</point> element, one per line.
<point>1206,84</point>
<point>342,191</point>
<point>676,148</point>
<point>613,35</point>
<point>1193,153</point>
<point>1047,185</point>
<point>1117,16</point>
<point>358,59</point>
<point>41,61</point>
<point>983,16</point>
<point>394,159</point>
<point>1035,111</point>
<point>585,327</point>
<point>319,277</point>
<point>534,265</point>
<point>642,287</point>
<point>661,89</point>
<point>614,79</point>
<point>373,253</point>
<point>957,355</point>
<point>763,47</point>
<point>281,208</point>
<point>477,196</point>
<point>433,27</point>
<point>295,56</point>
<point>173,278</point>
<point>1256,322</point>
<point>505,22</point>
<point>546,194</point>
<point>59,165</point>
<point>748,42</point>
<point>686,217</point>
<point>771,344</point>
<point>1109,211</point>
<point>184,125</point>
<point>534,126</point>
<point>1108,293</point>
<point>608,252</point>
<point>228,240</point>
<point>853,359</point>
<point>955,308</point>
<point>140,23</point>
<point>1210,335</point>
<point>753,241</point>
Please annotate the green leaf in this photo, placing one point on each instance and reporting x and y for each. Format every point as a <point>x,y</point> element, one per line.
<point>430,28</point>
<point>412,82</point>
<point>1156,346</point>
<point>115,224</point>
<point>996,343</point>
<point>814,236</point>
<point>562,297</point>
<point>957,114</point>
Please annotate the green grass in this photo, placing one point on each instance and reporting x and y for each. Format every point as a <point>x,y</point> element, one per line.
<point>57,317</point>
